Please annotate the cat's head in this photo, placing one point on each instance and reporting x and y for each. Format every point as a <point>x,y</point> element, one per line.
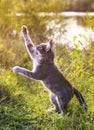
<point>44,52</point>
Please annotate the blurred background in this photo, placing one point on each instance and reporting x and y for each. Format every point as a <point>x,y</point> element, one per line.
<point>70,23</point>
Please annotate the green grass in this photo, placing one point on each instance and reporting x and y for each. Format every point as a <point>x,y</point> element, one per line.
<point>24,106</point>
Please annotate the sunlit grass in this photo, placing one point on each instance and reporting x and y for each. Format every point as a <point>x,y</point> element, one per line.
<point>25,104</point>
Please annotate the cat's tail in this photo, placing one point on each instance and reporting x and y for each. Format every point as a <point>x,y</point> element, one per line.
<point>80,98</point>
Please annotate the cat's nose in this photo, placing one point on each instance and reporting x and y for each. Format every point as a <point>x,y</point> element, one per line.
<point>35,49</point>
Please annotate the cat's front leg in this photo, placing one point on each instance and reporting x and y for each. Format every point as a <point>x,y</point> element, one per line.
<point>16,69</point>
<point>28,42</point>
<point>26,36</point>
<point>22,71</point>
<point>26,72</point>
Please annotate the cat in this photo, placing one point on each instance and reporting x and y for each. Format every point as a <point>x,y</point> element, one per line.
<point>44,69</point>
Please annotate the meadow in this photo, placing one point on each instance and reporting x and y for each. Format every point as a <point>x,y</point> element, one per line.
<point>24,102</point>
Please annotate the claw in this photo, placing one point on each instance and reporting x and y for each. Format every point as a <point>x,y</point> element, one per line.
<point>16,69</point>
<point>24,29</point>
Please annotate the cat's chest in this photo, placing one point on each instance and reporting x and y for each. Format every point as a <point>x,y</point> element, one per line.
<point>36,66</point>
<point>51,84</point>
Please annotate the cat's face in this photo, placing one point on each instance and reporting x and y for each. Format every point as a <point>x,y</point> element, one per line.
<point>44,52</point>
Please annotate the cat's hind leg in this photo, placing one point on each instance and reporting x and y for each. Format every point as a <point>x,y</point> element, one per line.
<point>54,102</point>
<point>61,105</point>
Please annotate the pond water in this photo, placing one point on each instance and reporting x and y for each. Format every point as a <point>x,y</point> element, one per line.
<point>68,14</point>
<point>69,31</point>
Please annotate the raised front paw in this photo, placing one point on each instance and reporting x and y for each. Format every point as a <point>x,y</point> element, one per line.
<point>16,69</point>
<point>24,29</point>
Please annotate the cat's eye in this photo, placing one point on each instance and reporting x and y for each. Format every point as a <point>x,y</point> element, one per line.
<point>36,53</point>
<point>42,49</point>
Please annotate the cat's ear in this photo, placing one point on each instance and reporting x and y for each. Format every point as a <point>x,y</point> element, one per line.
<point>49,45</point>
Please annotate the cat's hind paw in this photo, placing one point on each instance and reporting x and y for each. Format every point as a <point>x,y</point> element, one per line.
<point>24,29</point>
<point>53,109</point>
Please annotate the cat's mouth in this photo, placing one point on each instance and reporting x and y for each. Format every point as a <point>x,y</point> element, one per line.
<point>41,59</point>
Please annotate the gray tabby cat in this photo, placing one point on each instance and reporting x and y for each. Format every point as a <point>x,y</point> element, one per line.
<point>44,69</point>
